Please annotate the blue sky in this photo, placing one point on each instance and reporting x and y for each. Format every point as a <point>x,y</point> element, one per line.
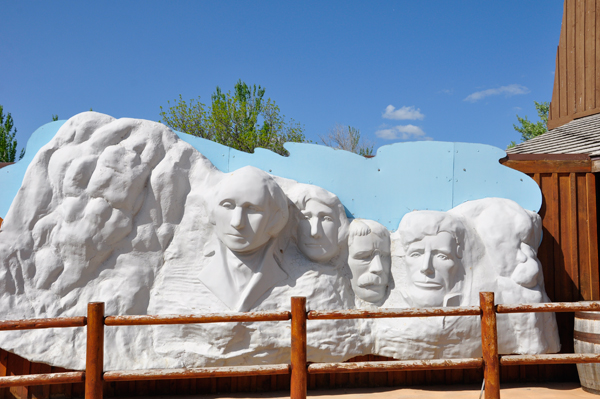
<point>396,70</point>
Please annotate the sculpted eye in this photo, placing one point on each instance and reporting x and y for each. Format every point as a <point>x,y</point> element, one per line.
<point>414,254</point>
<point>362,255</point>
<point>227,204</point>
<point>442,256</point>
<point>328,218</point>
<point>254,208</point>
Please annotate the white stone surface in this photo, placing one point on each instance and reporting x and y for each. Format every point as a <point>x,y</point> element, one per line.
<point>122,211</point>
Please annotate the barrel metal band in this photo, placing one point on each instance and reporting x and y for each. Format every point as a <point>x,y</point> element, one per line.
<point>587,337</point>
<point>587,315</point>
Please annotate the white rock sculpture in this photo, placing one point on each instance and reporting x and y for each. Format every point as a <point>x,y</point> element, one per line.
<point>248,210</point>
<point>511,236</point>
<point>432,244</point>
<point>433,254</point>
<point>322,223</point>
<point>369,260</point>
<point>124,212</point>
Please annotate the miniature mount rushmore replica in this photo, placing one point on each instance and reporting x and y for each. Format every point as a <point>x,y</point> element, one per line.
<point>126,212</point>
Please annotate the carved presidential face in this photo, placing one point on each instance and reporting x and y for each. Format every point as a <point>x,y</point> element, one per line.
<point>241,214</point>
<point>528,267</point>
<point>318,232</point>
<point>369,260</point>
<point>432,263</point>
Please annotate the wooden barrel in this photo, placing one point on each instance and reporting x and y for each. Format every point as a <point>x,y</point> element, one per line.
<point>587,340</point>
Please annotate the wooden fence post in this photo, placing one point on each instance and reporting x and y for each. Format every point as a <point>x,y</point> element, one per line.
<point>489,345</point>
<point>299,369</point>
<point>94,356</point>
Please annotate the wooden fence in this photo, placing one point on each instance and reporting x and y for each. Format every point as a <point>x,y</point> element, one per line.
<point>298,371</point>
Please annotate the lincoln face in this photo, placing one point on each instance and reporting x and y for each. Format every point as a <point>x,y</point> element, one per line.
<point>431,264</point>
<point>432,256</point>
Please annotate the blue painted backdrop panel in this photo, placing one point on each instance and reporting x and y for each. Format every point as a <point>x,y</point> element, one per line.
<point>477,174</point>
<point>402,177</point>
<point>11,176</point>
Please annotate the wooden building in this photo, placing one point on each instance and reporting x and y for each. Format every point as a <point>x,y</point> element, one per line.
<point>565,162</point>
<point>576,92</point>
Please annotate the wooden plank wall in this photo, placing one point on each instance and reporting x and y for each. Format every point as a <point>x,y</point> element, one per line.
<point>576,91</point>
<point>569,249</point>
<point>569,255</point>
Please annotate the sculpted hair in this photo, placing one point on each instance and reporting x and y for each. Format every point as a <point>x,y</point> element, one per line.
<point>416,225</point>
<point>300,194</point>
<point>364,227</point>
<point>278,216</point>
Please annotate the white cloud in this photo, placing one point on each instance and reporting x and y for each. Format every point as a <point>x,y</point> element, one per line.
<point>510,90</point>
<point>402,132</point>
<point>402,113</point>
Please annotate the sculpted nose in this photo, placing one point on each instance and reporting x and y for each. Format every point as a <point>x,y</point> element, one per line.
<point>521,257</point>
<point>237,218</point>
<point>426,265</point>
<point>376,266</point>
<point>314,229</point>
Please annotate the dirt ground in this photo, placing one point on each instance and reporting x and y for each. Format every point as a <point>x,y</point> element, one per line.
<point>508,391</point>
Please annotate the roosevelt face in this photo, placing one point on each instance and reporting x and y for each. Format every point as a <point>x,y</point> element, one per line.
<point>369,260</point>
<point>241,216</point>
<point>318,232</point>
<point>432,264</point>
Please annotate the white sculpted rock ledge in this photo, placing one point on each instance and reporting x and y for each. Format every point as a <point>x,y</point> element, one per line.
<point>124,212</point>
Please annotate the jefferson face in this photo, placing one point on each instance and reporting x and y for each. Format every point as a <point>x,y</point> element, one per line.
<point>369,260</point>
<point>431,264</point>
<point>318,232</point>
<point>241,214</point>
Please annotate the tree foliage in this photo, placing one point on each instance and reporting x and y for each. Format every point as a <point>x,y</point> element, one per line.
<point>530,129</point>
<point>8,143</point>
<point>243,120</point>
<point>347,138</point>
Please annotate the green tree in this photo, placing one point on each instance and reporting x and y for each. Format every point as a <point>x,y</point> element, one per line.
<point>54,118</point>
<point>8,143</point>
<point>243,120</point>
<point>529,129</point>
<point>347,138</point>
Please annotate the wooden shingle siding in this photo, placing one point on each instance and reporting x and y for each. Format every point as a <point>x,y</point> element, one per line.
<point>576,91</point>
<point>579,137</point>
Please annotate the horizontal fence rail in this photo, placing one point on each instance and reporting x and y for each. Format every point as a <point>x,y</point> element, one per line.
<point>197,318</point>
<point>385,313</point>
<point>207,372</point>
<point>401,365</point>
<point>32,324</point>
<point>298,369</point>
<point>549,307</point>
<point>42,379</point>
<point>568,358</point>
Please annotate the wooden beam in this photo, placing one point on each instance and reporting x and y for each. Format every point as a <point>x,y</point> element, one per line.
<point>400,365</point>
<point>489,345</point>
<point>298,383</point>
<point>94,363</point>
<point>206,372</point>
<point>548,166</point>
